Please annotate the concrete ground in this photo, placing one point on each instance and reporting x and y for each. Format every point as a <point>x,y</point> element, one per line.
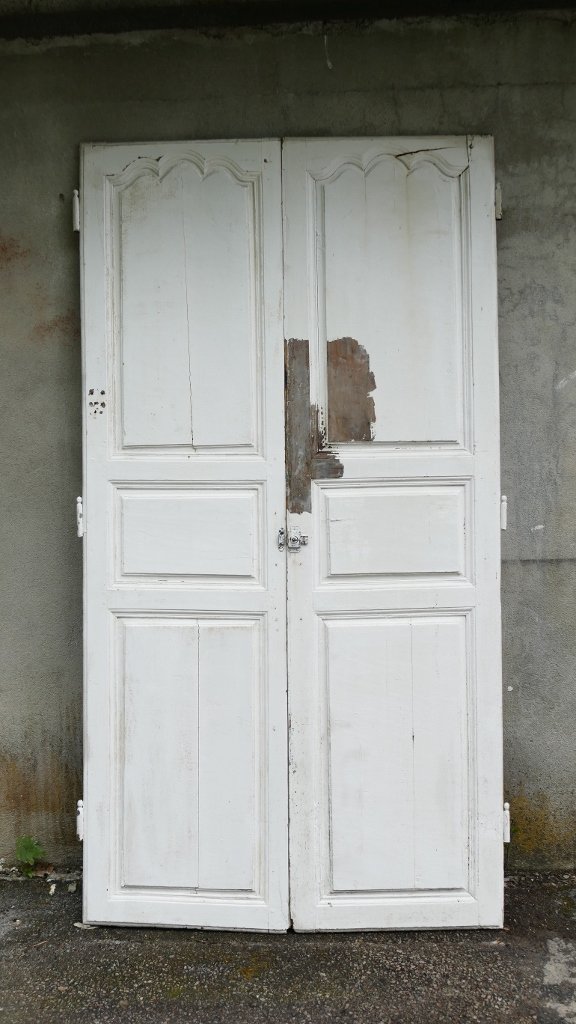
<point>54,973</point>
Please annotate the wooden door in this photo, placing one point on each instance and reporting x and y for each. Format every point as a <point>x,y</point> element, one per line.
<point>393,476</point>
<point>392,479</point>
<point>185,607</point>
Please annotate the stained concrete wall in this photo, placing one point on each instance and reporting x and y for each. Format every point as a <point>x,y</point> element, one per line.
<point>514,78</point>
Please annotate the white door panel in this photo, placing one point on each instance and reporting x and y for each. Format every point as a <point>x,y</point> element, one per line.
<point>188,235</point>
<point>185,769</point>
<point>393,607</point>
<point>396,751</point>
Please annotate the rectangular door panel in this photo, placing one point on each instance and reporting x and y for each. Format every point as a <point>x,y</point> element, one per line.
<point>231,754</point>
<point>411,530</point>
<point>190,723</point>
<point>156,696</point>
<point>209,533</point>
<point>387,264</point>
<point>188,301</point>
<point>397,736</point>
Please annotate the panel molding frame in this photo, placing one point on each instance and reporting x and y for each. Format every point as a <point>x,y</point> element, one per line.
<point>316,183</point>
<point>155,581</point>
<point>118,890</point>
<point>326,895</point>
<point>115,184</point>
<point>360,581</point>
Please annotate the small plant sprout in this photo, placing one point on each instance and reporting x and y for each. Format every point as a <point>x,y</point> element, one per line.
<point>28,853</point>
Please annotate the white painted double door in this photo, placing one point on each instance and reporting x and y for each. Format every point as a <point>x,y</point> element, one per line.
<point>373,749</point>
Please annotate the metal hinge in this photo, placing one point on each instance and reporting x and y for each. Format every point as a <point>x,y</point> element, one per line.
<point>79,517</point>
<point>506,824</point>
<point>76,210</point>
<point>503,512</point>
<point>80,820</point>
<point>498,201</point>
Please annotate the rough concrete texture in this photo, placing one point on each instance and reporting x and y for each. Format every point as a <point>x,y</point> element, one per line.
<point>52,972</point>
<point>40,19</point>
<point>32,8</point>
<point>512,77</point>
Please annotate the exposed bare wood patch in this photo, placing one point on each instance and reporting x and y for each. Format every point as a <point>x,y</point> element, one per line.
<point>297,398</point>
<point>325,463</point>
<point>307,456</point>
<point>350,408</point>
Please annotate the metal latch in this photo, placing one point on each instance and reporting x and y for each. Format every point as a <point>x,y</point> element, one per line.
<point>296,540</point>
<point>75,210</point>
<point>79,517</point>
<point>506,823</point>
<point>80,819</point>
<point>503,512</point>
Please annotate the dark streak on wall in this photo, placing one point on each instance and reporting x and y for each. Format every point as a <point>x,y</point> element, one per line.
<point>38,792</point>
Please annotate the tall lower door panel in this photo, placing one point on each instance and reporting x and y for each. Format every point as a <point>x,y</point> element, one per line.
<point>185,595</point>
<point>334,377</point>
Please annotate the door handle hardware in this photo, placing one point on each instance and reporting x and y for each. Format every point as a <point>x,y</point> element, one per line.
<point>281,538</point>
<point>296,540</point>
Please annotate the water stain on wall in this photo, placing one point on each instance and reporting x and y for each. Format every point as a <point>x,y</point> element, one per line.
<point>307,455</point>
<point>30,787</point>
<point>63,326</point>
<point>351,410</point>
<point>11,251</point>
<point>541,834</point>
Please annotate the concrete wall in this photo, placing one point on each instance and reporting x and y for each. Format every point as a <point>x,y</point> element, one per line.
<point>514,78</point>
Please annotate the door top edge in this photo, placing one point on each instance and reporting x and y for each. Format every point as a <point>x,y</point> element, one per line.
<point>421,140</point>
